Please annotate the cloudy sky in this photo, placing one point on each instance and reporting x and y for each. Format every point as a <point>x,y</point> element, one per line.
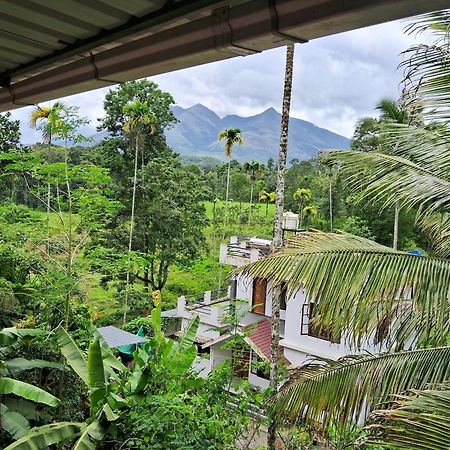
<point>337,80</point>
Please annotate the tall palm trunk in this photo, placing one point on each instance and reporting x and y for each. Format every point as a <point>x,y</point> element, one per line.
<point>228,180</point>
<point>330,202</point>
<point>396,218</point>
<point>278,232</point>
<point>130,239</point>
<point>251,203</point>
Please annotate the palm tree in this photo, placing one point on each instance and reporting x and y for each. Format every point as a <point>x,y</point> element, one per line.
<point>309,212</point>
<point>231,136</point>
<point>302,195</point>
<point>369,291</point>
<point>267,197</point>
<point>140,121</point>
<point>48,120</point>
<point>278,232</point>
<point>392,110</point>
<point>253,170</point>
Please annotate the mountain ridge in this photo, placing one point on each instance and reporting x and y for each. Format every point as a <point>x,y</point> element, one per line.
<point>198,128</point>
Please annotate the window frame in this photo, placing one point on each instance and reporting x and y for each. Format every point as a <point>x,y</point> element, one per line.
<point>307,328</point>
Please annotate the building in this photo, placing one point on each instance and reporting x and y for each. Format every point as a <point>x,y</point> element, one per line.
<point>244,309</point>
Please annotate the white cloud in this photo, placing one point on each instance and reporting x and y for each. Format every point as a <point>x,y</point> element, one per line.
<point>337,80</point>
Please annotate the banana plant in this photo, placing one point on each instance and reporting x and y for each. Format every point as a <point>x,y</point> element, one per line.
<point>112,387</point>
<point>96,371</point>
<point>15,413</point>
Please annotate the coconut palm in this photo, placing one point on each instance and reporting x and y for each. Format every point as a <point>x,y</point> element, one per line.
<point>417,420</point>
<point>139,122</point>
<point>365,291</point>
<point>231,137</point>
<point>254,170</point>
<point>303,196</point>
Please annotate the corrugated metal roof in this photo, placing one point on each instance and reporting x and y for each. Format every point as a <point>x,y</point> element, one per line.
<point>30,29</point>
<point>54,48</point>
<point>114,336</point>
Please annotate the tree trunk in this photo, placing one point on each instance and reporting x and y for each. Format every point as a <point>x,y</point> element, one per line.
<point>396,217</point>
<point>278,234</point>
<point>130,240</point>
<point>331,204</point>
<point>251,202</point>
<point>228,180</point>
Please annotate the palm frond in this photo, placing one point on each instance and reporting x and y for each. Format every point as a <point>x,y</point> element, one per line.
<point>418,421</point>
<point>414,168</point>
<point>427,66</point>
<point>37,114</point>
<point>437,228</point>
<point>356,284</point>
<point>350,387</point>
<point>231,136</point>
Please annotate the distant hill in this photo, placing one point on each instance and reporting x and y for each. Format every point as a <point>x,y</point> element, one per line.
<point>198,127</point>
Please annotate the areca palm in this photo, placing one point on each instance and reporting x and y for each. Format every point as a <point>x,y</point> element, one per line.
<point>267,197</point>
<point>253,170</point>
<point>309,212</point>
<point>48,120</point>
<point>368,292</point>
<point>140,121</point>
<point>231,137</point>
<point>393,111</point>
<point>302,195</point>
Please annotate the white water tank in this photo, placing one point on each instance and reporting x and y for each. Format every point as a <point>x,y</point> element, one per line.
<point>290,221</point>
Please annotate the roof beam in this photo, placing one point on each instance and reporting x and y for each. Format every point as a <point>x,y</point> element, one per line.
<point>207,35</point>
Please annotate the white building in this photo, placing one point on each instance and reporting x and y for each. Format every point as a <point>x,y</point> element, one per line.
<point>300,341</point>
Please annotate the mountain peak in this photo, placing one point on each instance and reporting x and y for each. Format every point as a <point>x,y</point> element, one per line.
<point>198,127</point>
<point>271,110</point>
<point>199,107</point>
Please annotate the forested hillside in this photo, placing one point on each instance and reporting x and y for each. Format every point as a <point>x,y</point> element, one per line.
<point>198,127</point>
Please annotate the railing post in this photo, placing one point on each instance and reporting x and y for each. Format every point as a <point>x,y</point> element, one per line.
<point>223,253</point>
<point>181,305</point>
<point>207,297</point>
<point>254,254</point>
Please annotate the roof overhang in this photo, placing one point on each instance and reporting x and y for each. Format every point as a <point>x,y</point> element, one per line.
<point>73,47</point>
<point>115,337</point>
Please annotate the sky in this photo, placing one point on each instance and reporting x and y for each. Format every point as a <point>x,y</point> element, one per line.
<point>337,80</point>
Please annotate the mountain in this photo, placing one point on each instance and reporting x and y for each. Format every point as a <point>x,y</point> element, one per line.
<point>198,127</point>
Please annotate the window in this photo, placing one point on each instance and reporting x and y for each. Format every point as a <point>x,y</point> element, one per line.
<point>203,351</point>
<point>240,361</point>
<point>259,295</point>
<point>283,296</point>
<point>259,367</point>
<point>308,329</point>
